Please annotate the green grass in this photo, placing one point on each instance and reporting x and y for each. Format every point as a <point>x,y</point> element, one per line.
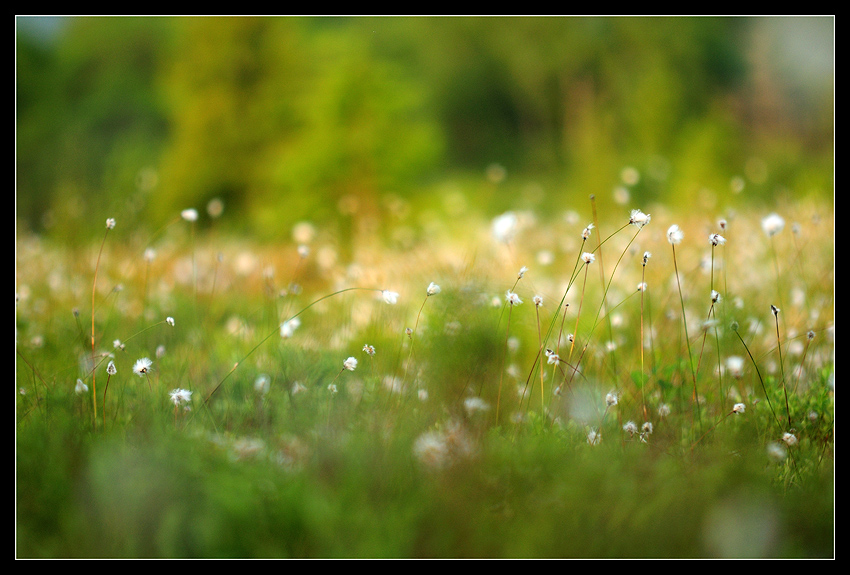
<point>398,463</point>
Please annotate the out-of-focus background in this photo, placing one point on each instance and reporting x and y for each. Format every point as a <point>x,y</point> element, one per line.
<point>261,122</point>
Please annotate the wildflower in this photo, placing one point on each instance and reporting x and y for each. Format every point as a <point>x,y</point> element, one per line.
<point>512,298</point>
<point>190,215</point>
<point>811,334</point>
<point>474,404</point>
<point>735,365</point>
<point>646,427</point>
<point>390,297</point>
<point>332,388</point>
<point>504,227</point>
<point>715,296</point>
<point>588,258</point>
<point>297,387</point>
<point>142,366</point>
<point>81,387</point>
<point>350,364</point>
<point>110,368</point>
<point>369,349</point>
<point>774,309</point>
<point>594,437</point>
<point>789,439</point>
<point>160,351</point>
<point>739,408</point>
<point>675,235</point>
<point>180,396</point>
<point>110,223</point>
<point>630,427</point>
<point>538,300</point>
<point>611,399</point>
<point>118,345</point>
<point>431,449</point>
<point>716,239</point>
<point>170,321</point>
<point>586,232</point>
<point>521,272</point>
<point>776,451</point>
<point>663,410</point>
<point>408,331</point>
<point>641,286</point>
<point>433,289</point>
<point>646,256</point>
<point>772,224</point>
<point>552,358</point>
<point>262,384</point>
<point>288,327</point>
<point>639,219</point>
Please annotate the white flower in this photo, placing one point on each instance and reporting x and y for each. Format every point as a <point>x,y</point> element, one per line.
<point>110,223</point>
<point>586,232</point>
<point>716,239</point>
<point>789,439</point>
<point>772,224</point>
<point>588,257</point>
<point>639,219</point>
<point>646,427</point>
<point>350,364</point>
<point>473,404</point>
<point>630,427</point>
<point>675,235</point>
<point>538,300</point>
<point>142,366</point>
<point>646,256</point>
<point>180,396</point>
<point>433,289</point>
<point>150,254</point>
<point>715,296</point>
<point>170,321</point>
<point>663,410</point>
<point>641,286</point>
<point>611,399</point>
<point>735,365</point>
<point>332,388</point>
<point>504,227</point>
<point>521,272</point>
<point>81,387</point>
<point>512,298</point>
<point>369,349</point>
<point>297,388</point>
<point>552,358</point>
<point>390,297</point>
<point>303,251</point>
<point>776,451</point>
<point>594,437</point>
<point>775,310</point>
<point>117,344</point>
<point>288,327</point>
<point>739,408</point>
<point>190,215</point>
<point>262,384</point>
<point>110,368</point>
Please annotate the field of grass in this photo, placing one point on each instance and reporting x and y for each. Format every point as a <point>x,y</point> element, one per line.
<point>528,386</point>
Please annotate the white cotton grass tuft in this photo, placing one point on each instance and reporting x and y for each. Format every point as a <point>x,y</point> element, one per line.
<point>433,289</point>
<point>585,234</point>
<point>288,327</point>
<point>538,300</point>
<point>772,224</point>
<point>521,272</point>
<point>588,258</point>
<point>81,387</point>
<point>739,408</point>
<point>717,240</point>
<point>170,321</point>
<point>512,298</point>
<point>110,223</point>
<point>180,397</point>
<point>639,219</point>
<point>675,235</point>
<point>389,297</point>
<point>262,384</point>
<point>594,437</point>
<point>504,227</point>
<point>190,215</point>
<point>350,364</point>
<point>110,368</point>
<point>142,366</point>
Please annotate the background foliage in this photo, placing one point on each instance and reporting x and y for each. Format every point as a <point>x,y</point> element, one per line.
<point>290,118</point>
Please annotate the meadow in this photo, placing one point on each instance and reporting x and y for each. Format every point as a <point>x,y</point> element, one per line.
<point>633,382</point>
